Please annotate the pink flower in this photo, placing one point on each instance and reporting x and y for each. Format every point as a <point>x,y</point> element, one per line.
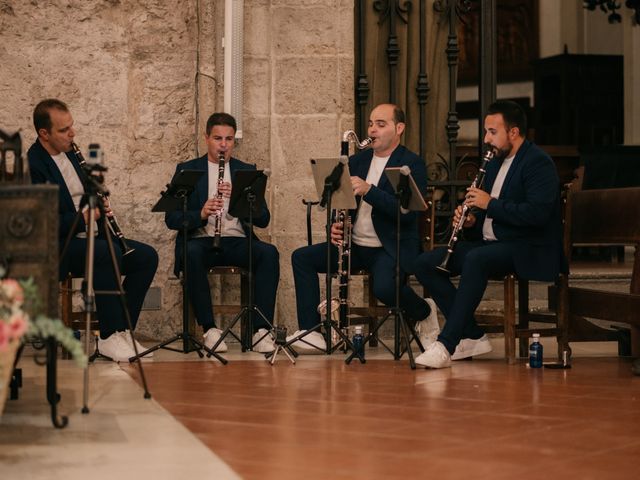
<point>18,324</point>
<point>12,291</point>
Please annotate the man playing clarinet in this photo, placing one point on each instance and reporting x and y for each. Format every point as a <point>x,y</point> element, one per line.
<point>516,227</point>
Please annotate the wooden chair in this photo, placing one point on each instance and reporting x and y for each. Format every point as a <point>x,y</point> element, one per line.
<point>72,319</point>
<point>225,308</point>
<point>515,325</point>
<point>517,316</point>
<point>372,310</point>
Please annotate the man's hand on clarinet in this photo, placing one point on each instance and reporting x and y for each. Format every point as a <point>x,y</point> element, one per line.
<point>107,207</point>
<point>477,198</point>
<point>211,207</point>
<point>470,221</point>
<point>85,214</point>
<point>225,189</point>
<point>336,234</point>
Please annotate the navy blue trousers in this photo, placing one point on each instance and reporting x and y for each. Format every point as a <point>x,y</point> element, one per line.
<point>309,261</point>
<point>475,262</point>
<point>138,267</point>
<point>266,275</point>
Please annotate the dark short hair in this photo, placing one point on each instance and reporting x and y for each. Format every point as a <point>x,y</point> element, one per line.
<point>41,115</point>
<point>512,113</point>
<point>398,114</point>
<point>221,118</point>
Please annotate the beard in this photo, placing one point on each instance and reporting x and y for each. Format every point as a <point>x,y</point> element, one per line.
<point>504,151</point>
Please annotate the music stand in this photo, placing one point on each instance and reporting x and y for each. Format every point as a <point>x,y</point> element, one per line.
<point>333,183</point>
<point>408,198</point>
<point>247,199</point>
<point>173,199</point>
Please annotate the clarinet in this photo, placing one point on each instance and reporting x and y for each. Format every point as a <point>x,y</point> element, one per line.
<point>112,221</point>
<point>217,220</point>
<point>455,235</point>
<point>344,268</point>
<point>341,304</point>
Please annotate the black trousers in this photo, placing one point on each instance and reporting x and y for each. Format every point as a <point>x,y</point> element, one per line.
<point>138,267</point>
<point>475,262</point>
<point>266,269</point>
<point>308,261</point>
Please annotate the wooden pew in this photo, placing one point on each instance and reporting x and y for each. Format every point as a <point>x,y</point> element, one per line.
<point>603,217</point>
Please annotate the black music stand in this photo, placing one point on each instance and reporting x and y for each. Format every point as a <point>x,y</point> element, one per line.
<point>332,179</point>
<point>247,198</point>
<point>173,199</point>
<point>408,198</point>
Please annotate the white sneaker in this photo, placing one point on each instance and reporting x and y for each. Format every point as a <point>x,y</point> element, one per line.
<point>314,342</point>
<point>436,356</point>
<point>115,348</point>
<point>429,328</point>
<point>470,348</point>
<point>127,338</point>
<point>211,337</point>
<point>264,341</point>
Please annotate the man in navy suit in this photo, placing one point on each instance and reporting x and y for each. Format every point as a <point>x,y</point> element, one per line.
<point>373,233</point>
<point>516,227</point>
<point>202,207</point>
<point>51,160</point>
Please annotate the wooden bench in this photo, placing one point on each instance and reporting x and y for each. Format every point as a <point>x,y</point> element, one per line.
<point>604,218</point>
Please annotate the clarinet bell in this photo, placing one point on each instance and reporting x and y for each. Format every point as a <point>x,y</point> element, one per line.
<point>217,244</point>
<point>126,249</point>
<point>445,261</point>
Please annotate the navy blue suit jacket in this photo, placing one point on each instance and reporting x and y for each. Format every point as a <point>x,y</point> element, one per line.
<point>384,204</point>
<point>527,213</point>
<point>44,170</point>
<point>198,198</point>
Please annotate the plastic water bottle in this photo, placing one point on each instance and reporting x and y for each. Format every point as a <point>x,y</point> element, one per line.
<point>535,352</point>
<point>358,341</point>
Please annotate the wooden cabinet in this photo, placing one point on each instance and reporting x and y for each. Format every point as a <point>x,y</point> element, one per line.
<point>579,100</point>
<point>29,238</point>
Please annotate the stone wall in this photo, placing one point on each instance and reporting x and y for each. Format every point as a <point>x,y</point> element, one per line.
<point>142,77</point>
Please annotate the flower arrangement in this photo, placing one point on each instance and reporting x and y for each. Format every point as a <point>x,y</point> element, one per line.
<point>14,321</point>
<point>18,297</point>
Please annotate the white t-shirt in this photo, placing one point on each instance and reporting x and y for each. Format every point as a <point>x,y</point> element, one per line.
<point>487,226</point>
<point>363,233</point>
<point>74,184</point>
<point>70,176</point>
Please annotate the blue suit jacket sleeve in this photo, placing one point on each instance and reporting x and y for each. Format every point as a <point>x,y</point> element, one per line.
<point>537,204</point>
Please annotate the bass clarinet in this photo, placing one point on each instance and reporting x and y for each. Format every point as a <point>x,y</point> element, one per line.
<point>457,228</point>
<point>112,221</point>
<point>217,220</point>
<point>341,304</point>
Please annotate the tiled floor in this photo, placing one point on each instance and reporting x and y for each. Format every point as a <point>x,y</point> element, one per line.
<point>124,436</point>
<point>322,419</point>
<point>481,419</point>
